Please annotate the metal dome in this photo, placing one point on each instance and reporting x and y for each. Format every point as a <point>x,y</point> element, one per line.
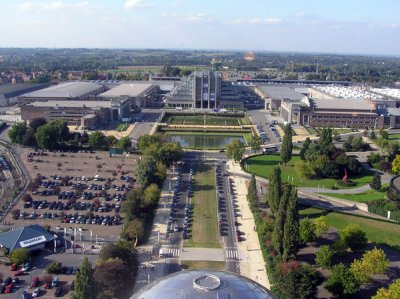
<point>203,284</point>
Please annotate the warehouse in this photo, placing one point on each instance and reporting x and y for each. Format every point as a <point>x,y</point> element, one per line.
<point>87,114</point>
<point>69,91</point>
<point>10,92</point>
<point>32,237</point>
<point>273,95</point>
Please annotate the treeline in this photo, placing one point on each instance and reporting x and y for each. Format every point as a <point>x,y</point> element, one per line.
<point>151,171</point>
<point>55,135</point>
<point>282,233</point>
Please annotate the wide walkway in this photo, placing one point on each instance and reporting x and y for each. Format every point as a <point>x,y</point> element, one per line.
<point>252,263</point>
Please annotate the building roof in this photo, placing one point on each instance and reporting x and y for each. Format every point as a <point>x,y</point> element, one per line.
<point>12,90</point>
<point>71,104</point>
<point>394,111</point>
<point>66,90</point>
<point>131,90</point>
<point>25,237</point>
<point>203,284</point>
<point>280,92</point>
<point>345,104</point>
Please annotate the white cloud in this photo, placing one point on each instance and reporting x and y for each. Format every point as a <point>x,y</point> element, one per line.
<point>258,21</point>
<point>51,6</point>
<point>189,17</point>
<point>136,4</point>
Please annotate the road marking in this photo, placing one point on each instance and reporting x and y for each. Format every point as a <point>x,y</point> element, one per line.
<point>232,254</point>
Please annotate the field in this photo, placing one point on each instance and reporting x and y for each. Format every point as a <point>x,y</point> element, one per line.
<point>205,120</point>
<point>205,229</point>
<point>377,231</point>
<point>200,265</point>
<point>364,197</point>
<point>263,165</point>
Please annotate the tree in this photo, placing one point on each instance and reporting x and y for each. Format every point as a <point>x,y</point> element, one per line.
<point>235,150</point>
<point>304,169</point>
<point>296,280</point>
<point>287,145</point>
<point>274,189</point>
<point>392,292</point>
<point>279,223</point>
<point>305,147</point>
<point>46,137</point>
<point>147,140</point>
<point>123,250</point>
<point>54,268</point>
<point>85,285</point>
<point>324,256</point>
<point>134,230</point>
<point>321,226</point>
<point>17,132</point>
<point>111,141</point>
<point>97,140</point>
<point>19,256</point>
<point>252,196</point>
<point>372,262</point>
<point>376,182</point>
<point>146,170</point>
<point>37,122</point>
<point>113,278</point>
<point>341,282</point>
<point>124,143</point>
<point>307,230</point>
<point>291,239</point>
<point>255,143</point>
<point>396,164</point>
<point>373,135</point>
<point>151,195</point>
<point>353,237</point>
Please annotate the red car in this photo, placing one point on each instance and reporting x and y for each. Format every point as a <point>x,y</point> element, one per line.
<point>19,273</point>
<point>35,282</point>
<point>13,267</point>
<point>9,288</point>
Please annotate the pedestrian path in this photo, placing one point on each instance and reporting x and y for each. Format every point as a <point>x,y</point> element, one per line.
<point>173,252</point>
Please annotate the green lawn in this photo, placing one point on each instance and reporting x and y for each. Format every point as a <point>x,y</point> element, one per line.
<point>263,165</point>
<point>205,223</point>
<point>364,197</point>
<point>342,131</point>
<point>205,120</point>
<point>121,127</point>
<point>377,231</point>
<point>201,265</point>
<point>394,137</point>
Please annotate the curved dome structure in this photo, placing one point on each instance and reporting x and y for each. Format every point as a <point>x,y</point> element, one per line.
<point>203,284</point>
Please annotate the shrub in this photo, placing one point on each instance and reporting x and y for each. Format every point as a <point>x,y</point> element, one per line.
<point>307,230</point>
<point>323,257</point>
<point>54,268</point>
<point>341,282</point>
<point>353,237</point>
<point>19,256</point>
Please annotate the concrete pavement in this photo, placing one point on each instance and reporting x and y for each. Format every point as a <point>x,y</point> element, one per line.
<point>252,263</point>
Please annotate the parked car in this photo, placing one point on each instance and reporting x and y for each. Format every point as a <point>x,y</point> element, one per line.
<point>19,273</point>
<point>36,293</point>
<point>55,282</point>
<point>58,292</point>
<point>13,267</point>
<point>35,282</point>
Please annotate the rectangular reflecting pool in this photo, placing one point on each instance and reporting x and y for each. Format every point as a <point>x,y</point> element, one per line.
<point>204,141</point>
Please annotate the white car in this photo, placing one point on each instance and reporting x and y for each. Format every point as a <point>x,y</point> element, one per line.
<point>36,292</point>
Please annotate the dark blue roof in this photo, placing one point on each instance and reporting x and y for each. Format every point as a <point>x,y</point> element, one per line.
<point>26,236</point>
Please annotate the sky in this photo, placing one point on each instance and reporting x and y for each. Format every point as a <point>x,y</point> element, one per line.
<point>341,26</point>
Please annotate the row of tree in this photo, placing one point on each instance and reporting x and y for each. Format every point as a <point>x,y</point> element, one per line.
<point>55,135</point>
<point>113,276</point>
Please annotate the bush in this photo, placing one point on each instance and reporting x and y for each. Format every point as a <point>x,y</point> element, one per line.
<point>54,268</point>
<point>348,184</point>
<point>353,237</point>
<point>323,257</point>
<point>19,256</point>
<point>376,182</point>
<point>307,230</point>
<point>341,282</point>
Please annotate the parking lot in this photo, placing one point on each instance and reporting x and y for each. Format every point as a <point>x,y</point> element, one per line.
<point>81,190</point>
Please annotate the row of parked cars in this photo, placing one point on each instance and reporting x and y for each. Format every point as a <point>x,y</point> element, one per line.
<point>172,220</point>
<point>239,234</point>
<point>222,220</point>
<point>275,131</point>
<point>187,223</point>
<point>3,163</point>
<point>263,135</point>
<point>77,206</point>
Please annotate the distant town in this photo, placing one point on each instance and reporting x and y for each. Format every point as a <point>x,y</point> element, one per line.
<point>123,171</point>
